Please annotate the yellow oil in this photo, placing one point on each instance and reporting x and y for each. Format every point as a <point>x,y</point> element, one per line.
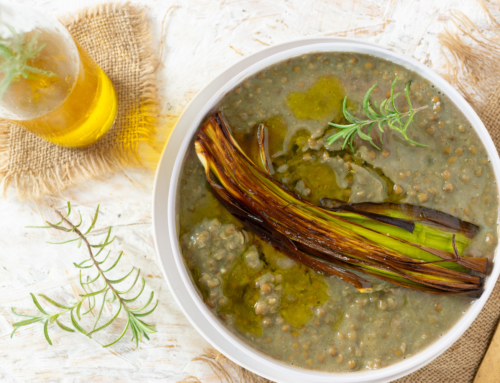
<point>86,113</point>
<point>302,290</point>
<point>322,100</point>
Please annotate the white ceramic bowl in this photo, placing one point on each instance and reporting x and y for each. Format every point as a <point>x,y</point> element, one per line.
<point>165,218</point>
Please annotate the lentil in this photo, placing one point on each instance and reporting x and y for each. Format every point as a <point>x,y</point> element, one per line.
<point>351,364</point>
<point>448,187</point>
<point>398,189</point>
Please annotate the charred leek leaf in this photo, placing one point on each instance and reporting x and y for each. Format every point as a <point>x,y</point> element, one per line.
<point>402,244</point>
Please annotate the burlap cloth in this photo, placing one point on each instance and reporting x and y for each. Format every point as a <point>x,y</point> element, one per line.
<point>118,38</point>
<point>474,67</point>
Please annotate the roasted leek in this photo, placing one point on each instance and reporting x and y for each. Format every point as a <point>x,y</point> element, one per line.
<point>406,245</point>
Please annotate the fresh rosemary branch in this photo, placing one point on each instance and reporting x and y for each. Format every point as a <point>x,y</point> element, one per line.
<point>388,115</point>
<point>14,56</point>
<point>108,290</point>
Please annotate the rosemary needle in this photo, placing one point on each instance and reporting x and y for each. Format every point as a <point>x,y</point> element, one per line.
<point>388,115</point>
<point>15,54</point>
<point>100,287</point>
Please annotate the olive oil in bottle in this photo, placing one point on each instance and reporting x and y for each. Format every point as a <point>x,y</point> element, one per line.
<point>51,86</point>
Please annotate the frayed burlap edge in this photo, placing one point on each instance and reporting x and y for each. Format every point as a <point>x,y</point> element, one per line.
<point>4,146</point>
<point>33,185</point>
<point>221,366</point>
<point>473,66</point>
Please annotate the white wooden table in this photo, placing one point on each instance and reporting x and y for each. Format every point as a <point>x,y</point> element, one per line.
<point>201,37</point>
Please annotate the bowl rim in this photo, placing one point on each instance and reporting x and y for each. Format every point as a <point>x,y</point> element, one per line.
<point>246,355</point>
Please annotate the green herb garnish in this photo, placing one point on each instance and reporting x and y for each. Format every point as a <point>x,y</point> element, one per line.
<point>108,291</point>
<point>14,56</point>
<point>389,115</point>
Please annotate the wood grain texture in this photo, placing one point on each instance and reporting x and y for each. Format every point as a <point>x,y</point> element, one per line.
<point>489,371</point>
<point>201,38</point>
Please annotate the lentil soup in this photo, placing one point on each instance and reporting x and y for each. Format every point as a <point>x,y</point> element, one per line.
<point>287,310</point>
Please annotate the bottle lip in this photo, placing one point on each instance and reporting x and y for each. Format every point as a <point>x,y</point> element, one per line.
<point>24,34</point>
<point>24,19</point>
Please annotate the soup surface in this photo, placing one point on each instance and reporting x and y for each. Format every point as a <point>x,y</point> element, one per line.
<point>285,309</point>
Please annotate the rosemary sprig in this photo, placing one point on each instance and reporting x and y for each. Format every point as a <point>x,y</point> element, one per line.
<point>388,115</point>
<point>14,56</point>
<point>108,290</point>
